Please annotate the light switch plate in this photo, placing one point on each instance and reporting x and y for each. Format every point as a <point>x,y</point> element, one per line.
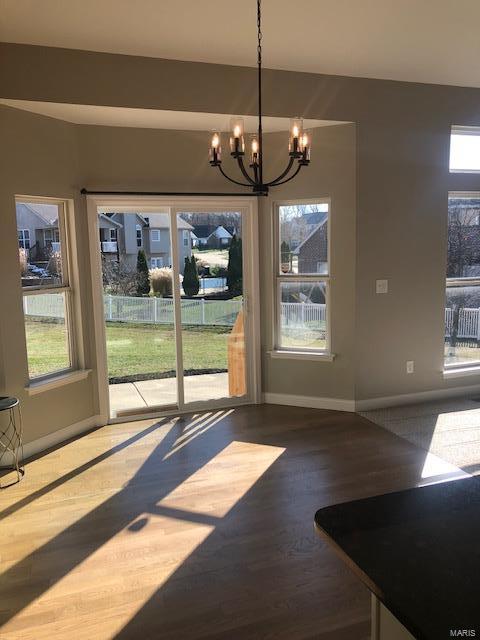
<point>381,286</point>
<point>410,366</point>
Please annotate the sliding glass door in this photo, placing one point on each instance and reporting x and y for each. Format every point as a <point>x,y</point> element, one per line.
<point>174,278</point>
<point>212,310</point>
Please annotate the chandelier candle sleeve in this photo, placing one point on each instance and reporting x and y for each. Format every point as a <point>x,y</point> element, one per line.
<point>237,142</point>
<point>296,136</point>
<point>215,155</point>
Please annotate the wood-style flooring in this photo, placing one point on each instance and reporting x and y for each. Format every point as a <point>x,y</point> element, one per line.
<point>194,527</point>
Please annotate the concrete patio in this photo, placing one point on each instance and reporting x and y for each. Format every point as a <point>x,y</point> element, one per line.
<point>153,393</point>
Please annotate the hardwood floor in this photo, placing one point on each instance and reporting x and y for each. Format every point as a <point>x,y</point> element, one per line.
<point>194,527</point>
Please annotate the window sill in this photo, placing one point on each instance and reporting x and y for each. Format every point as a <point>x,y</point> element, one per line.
<point>462,372</point>
<point>302,355</point>
<point>56,381</point>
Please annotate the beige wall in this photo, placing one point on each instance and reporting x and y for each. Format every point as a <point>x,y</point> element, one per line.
<point>402,181</point>
<point>39,158</point>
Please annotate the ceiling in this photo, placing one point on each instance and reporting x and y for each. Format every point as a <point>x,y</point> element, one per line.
<point>433,41</point>
<point>152,118</point>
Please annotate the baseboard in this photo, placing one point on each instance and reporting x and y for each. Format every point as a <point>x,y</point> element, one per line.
<point>337,404</point>
<point>342,404</point>
<point>57,437</point>
<point>414,398</point>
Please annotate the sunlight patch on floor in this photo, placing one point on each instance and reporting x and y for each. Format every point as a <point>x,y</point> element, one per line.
<point>130,567</point>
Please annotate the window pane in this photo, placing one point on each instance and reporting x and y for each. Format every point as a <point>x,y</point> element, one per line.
<point>39,243</point>
<point>465,151</point>
<point>462,325</point>
<point>303,239</point>
<point>47,333</point>
<point>462,312</point>
<point>303,315</point>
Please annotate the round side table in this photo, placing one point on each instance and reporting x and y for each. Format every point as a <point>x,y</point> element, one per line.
<point>11,439</point>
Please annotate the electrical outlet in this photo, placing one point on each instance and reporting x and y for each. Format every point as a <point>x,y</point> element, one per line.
<point>410,366</point>
<point>381,286</point>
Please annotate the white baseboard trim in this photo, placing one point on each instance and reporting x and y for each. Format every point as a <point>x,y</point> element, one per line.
<point>57,437</point>
<point>337,404</point>
<point>413,398</point>
<point>343,404</point>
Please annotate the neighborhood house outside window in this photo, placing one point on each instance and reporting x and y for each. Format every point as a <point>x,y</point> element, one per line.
<point>156,263</point>
<point>462,305</point>
<point>155,235</point>
<point>302,277</point>
<point>186,238</point>
<point>47,294</point>
<point>138,229</point>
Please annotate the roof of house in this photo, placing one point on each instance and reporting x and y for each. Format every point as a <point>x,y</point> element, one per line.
<point>206,230</point>
<point>48,213</point>
<point>316,217</point>
<point>312,233</point>
<point>162,221</point>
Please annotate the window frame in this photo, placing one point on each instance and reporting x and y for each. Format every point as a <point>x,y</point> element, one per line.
<point>154,260</point>
<point>460,130</point>
<point>278,278</point>
<point>65,288</point>
<point>156,232</point>
<point>25,233</point>
<point>186,238</point>
<point>139,236</point>
<point>465,367</point>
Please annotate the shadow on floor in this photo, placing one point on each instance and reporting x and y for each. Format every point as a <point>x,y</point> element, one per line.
<point>252,566</point>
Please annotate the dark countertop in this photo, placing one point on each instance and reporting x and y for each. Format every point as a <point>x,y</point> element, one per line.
<point>418,551</point>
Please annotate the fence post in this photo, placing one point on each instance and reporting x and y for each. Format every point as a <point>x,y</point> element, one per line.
<point>203,310</point>
<point>155,318</point>
<point>478,326</point>
<point>109,306</point>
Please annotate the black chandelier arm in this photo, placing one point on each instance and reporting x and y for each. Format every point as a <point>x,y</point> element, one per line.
<point>245,172</point>
<point>297,170</point>
<point>277,180</point>
<point>242,184</point>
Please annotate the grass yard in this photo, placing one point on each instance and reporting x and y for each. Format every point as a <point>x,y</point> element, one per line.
<point>135,351</point>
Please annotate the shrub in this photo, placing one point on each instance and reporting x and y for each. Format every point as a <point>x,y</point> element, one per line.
<point>143,283</point>
<point>54,266</point>
<point>219,271</point>
<point>161,281</point>
<point>23,261</point>
<point>235,266</point>
<point>191,283</point>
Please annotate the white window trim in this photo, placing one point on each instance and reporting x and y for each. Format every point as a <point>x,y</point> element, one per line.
<point>277,350</point>
<point>138,227</point>
<point>24,238</point>
<point>157,233</point>
<point>71,288</point>
<point>186,238</point>
<point>154,262</point>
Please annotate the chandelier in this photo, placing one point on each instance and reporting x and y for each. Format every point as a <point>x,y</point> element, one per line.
<point>298,148</point>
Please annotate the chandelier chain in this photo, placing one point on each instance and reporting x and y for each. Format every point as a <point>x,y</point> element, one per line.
<point>259,31</point>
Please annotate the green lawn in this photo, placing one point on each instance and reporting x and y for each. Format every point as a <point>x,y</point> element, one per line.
<point>135,351</point>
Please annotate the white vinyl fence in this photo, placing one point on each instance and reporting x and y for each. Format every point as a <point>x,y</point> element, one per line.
<point>215,312</point>
<point>468,323</point>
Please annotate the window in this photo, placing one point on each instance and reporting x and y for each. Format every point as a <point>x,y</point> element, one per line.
<point>113,235</point>
<point>155,235</point>
<point>462,306</point>
<point>138,230</point>
<point>302,277</point>
<point>24,238</point>
<point>156,263</point>
<point>47,294</point>
<point>186,238</point>
<point>465,150</point>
